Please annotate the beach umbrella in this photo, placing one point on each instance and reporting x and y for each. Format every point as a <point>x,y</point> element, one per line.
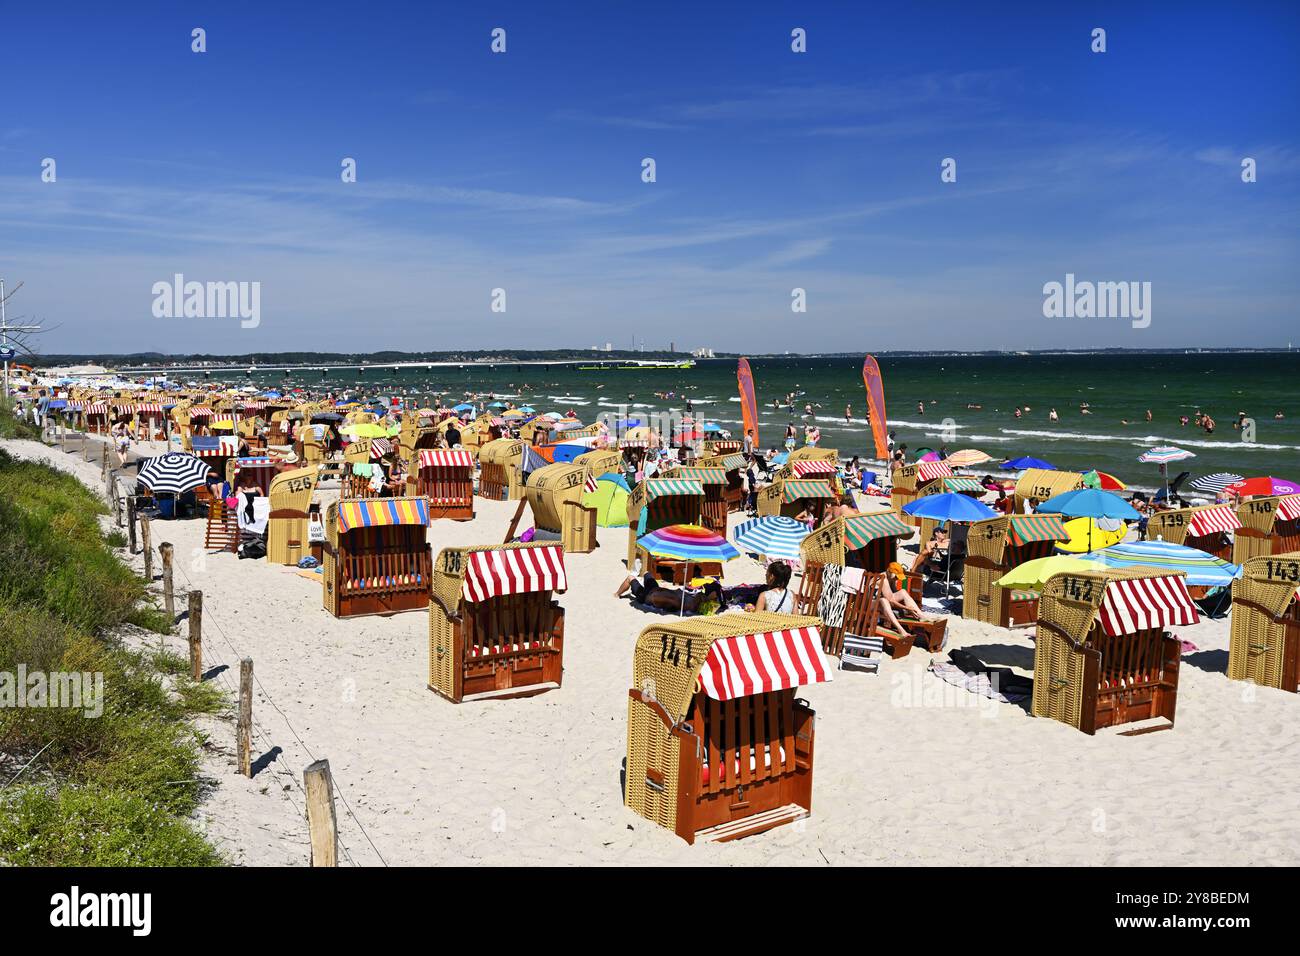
<point>553,416</point>
<point>1164,454</point>
<point>1020,464</point>
<point>1102,480</point>
<point>1091,534</point>
<point>950,506</point>
<point>173,473</point>
<point>1262,486</point>
<point>528,409</point>
<point>929,456</point>
<point>1202,569</point>
<point>498,405</point>
<point>514,414</point>
<point>967,457</point>
<point>463,407</point>
<point>712,427</point>
<point>774,536</point>
<point>364,430</point>
<point>687,542</point>
<point>1032,575</point>
<point>1216,482</point>
<point>1090,503</point>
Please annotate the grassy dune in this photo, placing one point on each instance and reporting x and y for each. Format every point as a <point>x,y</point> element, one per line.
<point>113,790</point>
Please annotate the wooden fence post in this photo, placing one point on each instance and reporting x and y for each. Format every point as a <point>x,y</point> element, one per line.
<point>103,460</point>
<point>146,545</point>
<point>169,600</point>
<point>130,524</point>
<point>196,635</point>
<point>322,826</point>
<point>244,729</point>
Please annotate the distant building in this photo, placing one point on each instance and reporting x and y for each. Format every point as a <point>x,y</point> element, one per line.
<point>702,353</point>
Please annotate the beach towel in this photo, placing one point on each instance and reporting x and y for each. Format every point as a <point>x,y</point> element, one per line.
<point>831,605</point>
<point>965,670</point>
<point>253,513</point>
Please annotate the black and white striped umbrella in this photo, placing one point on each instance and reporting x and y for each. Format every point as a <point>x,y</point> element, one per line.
<point>173,473</point>
<point>1216,482</point>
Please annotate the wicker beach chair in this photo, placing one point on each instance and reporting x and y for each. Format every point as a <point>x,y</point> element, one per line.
<point>1102,654</point>
<point>501,477</point>
<point>1265,644</point>
<point>656,503</point>
<point>495,630</point>
<point>1043,484</point>
<point>993,548</point>
<point>286,526</point>
<point>1269,525</point>
<point>554,493</point>
<point>376,558</point>
<point>718,746</point>
<point>445,476</point>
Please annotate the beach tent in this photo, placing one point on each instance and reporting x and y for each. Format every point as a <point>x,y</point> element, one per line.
<point>609,500</point>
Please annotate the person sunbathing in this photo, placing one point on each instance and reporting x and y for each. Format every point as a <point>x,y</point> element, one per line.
<point>650,592</point>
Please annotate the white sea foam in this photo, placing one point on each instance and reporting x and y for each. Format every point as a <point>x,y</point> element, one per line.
<point>1146,441</point>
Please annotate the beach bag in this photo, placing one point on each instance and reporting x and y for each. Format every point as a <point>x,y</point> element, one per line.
<point>315,531</point>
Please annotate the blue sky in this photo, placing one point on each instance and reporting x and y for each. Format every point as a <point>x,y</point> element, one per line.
<point>775,170</point>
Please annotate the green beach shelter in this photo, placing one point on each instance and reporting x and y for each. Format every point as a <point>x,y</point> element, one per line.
<point>610,501</point>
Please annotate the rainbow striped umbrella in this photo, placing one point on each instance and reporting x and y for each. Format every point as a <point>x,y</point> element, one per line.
<point>687,542</point>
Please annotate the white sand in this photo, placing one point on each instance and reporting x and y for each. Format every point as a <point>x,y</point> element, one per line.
<point>908,770</point>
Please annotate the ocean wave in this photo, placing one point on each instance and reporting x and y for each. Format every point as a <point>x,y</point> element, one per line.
<point>898,423</point>
<point>1144,441</point>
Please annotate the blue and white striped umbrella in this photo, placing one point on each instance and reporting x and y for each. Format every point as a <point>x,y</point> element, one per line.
<point>173,473</point>
<point>1215,483</point>
<point>774,536</point>
<point>1163,454</point>
<point>1202,569</point>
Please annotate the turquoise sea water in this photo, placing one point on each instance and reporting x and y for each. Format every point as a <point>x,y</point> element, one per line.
<point>1117,387</point>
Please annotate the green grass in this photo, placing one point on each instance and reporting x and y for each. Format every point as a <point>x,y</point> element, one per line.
<point>11,427</point>
<point>114,789</point>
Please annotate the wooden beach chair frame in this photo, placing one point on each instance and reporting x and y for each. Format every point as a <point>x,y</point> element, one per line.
<point>505,645</point>
<point>445,477</point>
<point>1266,528</point>
<point>1090,680</point>
<point>1264,646</point>
<point>554,493</point>
<point>714,510</point>
<point>707,769</point>
<point>994,547</point>
<point>382,568</point>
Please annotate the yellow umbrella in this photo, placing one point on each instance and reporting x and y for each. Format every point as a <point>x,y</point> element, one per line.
<point>1032,575</point>
<point>222,423</point>
<point>364,430</point>
<point>1086,535</point>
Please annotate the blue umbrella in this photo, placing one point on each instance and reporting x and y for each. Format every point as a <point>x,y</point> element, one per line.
<point>463,407</point>
<point>1202,569</point>
<point>1090,503</point>
<point>1020,464</point>
<point>561,453</point>
<point>711,427</point>
<point>950,506</point>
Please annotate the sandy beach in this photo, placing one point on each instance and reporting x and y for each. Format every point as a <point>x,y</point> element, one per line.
<point>909,770</point>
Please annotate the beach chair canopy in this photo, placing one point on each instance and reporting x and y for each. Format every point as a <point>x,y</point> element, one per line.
<point>803,468</point>
<point>861,530</point>
<point>379,512</point>
<point>747,664</point>
<point>792,491</point>
<point>1135,604</point>
<point>499,572</point>
<point>445,458</point>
